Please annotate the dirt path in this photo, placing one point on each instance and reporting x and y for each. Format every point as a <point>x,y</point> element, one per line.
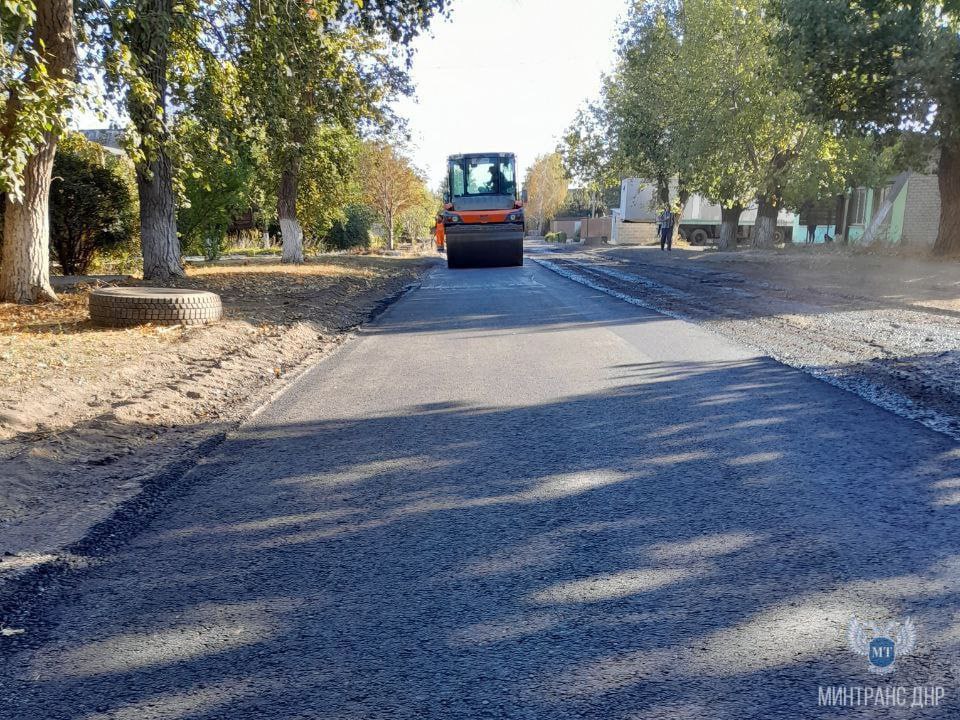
<point>884,328</point>
<point>89,416</point>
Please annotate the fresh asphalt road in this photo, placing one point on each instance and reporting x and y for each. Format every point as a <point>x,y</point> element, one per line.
<point>514,497</point>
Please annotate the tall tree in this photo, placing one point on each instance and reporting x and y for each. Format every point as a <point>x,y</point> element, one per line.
<point>640,98</point>
<point>329,181</point>
<point>588,155</point>
<point>701,97</point>
<point>885,66</point>
<point>390,185</point>
<point>145,45</point>
<point>546,184</point>
<point>220,157</point>
<point>320,64</point>
<point>37,72</point>
<point>744,122</point>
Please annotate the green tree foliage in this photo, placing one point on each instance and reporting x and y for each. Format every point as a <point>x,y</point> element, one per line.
<point>546,184</point>
<point>353,230</point>
<point>320,64</point>
<point>92,203</point>
<point>746,123</point>
<point>640,96</point>
<point>588,156</point>
<point>701,97</point>
<point>32,98</point>
<point>149,48</point>
<point>886,66</point>
<point>219,155</point>
<point>329,181</point>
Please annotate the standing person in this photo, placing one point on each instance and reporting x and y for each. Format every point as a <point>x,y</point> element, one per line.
<point>811,232</point>
<point>665,226</point>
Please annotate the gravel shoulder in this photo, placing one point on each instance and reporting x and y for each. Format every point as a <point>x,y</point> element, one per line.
<point>885,328</point>
<point>88,415</point>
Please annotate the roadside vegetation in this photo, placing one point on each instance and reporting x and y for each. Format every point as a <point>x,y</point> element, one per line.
<point>246,120</point>
<point>547,184</point>
<point>774,103</point>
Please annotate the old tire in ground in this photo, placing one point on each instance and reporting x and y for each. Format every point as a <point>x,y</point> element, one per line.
<point>128,306</point>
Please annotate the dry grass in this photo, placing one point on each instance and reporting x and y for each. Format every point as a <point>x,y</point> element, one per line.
<point>224,271</point>
<point>55,343</point>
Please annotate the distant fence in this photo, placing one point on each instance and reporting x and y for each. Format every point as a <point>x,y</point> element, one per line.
<point>595,228</point>
<point>570,227</point>
<point>584,228</point>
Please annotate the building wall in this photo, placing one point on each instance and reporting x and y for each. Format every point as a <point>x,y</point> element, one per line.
<point>914,217</point>
<point>921,216</point>
<point>633,233</point>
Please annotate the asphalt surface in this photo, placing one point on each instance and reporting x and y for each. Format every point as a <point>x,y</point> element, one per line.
<point>878,342</point>
<point>513,496</point>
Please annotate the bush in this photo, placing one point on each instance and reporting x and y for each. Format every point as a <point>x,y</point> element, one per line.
<point>92,206</point>
<point>560,237</point>
<point>352,232</point>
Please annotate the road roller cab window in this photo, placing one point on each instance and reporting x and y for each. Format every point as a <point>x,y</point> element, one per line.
<point>482,175</point>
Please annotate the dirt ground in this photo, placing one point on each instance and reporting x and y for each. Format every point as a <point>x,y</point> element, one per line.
<point>88,414</point>
<point>883,278</point>
<point>886,328</point>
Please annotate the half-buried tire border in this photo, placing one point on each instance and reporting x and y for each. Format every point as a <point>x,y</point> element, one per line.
<point>129,306</point>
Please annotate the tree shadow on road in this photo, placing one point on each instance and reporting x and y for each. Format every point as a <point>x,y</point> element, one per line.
<point>691,545</point>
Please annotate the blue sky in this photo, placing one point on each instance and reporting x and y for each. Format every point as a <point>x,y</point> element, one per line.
<point>506,75</point>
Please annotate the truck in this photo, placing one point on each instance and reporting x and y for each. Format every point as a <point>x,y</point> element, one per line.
<point>482,220</point>
<point>700,222</point>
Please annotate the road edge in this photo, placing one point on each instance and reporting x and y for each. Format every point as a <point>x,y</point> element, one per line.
<point>877,395</point>
<point>24,595</point>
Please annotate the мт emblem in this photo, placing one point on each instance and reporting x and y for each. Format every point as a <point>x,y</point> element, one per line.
<point>882,645</point>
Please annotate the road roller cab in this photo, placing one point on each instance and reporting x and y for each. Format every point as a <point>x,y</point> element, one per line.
<point>482,221</point>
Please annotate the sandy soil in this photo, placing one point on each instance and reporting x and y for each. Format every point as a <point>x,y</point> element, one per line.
<point>88,414</point>
<point>881,278</point>
<point>886,328</point>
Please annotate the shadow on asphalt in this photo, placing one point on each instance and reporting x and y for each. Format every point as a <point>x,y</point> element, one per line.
<point>690,546</point>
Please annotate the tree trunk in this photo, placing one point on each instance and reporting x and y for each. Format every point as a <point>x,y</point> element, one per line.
<point>266,239</point>
<point>25,274</point>
<point>389,218</point>
<point>765,228</point>
<point>26,233</point>
<point>663,190</point>
<point>948,175</point>
<point>290,230</point>
<point>729,224</point>
<point>684,196</point>
<point>150,38</point>
<point>158,219</point>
